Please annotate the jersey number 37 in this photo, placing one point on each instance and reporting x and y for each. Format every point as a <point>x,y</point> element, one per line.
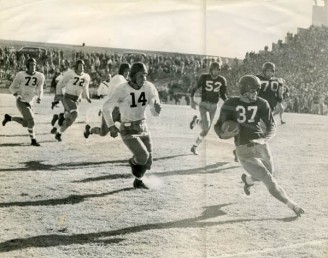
<point>246,115</point>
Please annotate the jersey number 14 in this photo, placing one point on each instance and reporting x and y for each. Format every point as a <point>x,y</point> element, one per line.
<point>142,99</point>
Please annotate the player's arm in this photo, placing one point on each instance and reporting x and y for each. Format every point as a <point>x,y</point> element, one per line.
<point>224,116</point>
<point>280,90</point>
<point>155,104</point>
<point>267,118</point>
<point>61,84</point>
<point>86,90</point>
<point>223,90</point>
<point>39,88</point>
<point>14,86</point>
<point>109,105</point>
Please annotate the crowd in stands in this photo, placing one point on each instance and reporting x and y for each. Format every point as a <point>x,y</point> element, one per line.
<point>301,60</point>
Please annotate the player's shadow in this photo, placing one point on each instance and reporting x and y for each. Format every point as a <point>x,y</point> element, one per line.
<point>115,236</point>
<point>209,169</point>
<point>72,199</point>
<point>36,165</point>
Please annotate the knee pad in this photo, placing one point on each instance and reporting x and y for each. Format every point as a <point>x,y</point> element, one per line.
<point>29,123</point>
<point>70,117</point>
<point>142,158</point>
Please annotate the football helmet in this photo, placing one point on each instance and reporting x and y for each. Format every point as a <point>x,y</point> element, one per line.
<point>215,65</point>
<point>123,68</point>
<point>79,61</point>
<point>249,82</point>
<point>268,66</point>
<point>137,68</point>
<point>29,61</point>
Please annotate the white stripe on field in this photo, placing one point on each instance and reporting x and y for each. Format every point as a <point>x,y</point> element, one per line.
<point>315,242</point>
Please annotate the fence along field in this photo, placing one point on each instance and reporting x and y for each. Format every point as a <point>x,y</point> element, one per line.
<point>75,198</point>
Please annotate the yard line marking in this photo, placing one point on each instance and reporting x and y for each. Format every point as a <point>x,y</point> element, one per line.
<point>315,242</point>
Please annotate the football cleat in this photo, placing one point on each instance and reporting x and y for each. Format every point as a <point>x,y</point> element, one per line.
<point>138,184</point>
<point>54,119</point>
<point>194,150</point>
<point>35,143</point>
<point>247,187</point>
<point>61,119</point>
<point>283,122</point>
<point>87,131</point>
<point>58,137</point>
<point>6,119</point>
<point>53,130</point>
<point>193,122</point>
<point>298,210</point>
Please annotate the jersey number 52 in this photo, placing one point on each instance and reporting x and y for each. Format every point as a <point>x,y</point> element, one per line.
<point>210,85</point>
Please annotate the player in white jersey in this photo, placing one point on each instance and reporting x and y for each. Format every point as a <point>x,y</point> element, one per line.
<point>121,77</point>
<point>25,85</point>
<point>75,82</point>
<point>132,98</point>
<point>103,88</point>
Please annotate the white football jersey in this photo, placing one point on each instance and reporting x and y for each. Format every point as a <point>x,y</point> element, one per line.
<point>131,102</point>
<point>27,85</point>
<point>114,82</point>
<point>74,84</point>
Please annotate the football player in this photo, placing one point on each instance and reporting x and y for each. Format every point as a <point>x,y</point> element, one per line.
<point>251,141</point>
<point>23,87</point>
<point>121,77</point>
<point>132,98</point>
<point>104,87</point>
<point>76,83</point>
<point>281,105</point>
<point>271,87</point>
<point>213,86</point>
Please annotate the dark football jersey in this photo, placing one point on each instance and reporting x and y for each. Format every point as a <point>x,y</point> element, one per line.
<point>269,90</point>
<point>211,89</point>
<point>248,115</point>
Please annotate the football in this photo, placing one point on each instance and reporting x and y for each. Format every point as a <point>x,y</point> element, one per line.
<point>229,129</point>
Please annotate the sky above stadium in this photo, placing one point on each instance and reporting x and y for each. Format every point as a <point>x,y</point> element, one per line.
<point>226,28</point>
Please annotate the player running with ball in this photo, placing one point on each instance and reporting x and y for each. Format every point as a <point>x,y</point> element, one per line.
<point>251,141</point>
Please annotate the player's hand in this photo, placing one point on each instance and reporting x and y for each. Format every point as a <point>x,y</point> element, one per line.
<point>228,134</point>
<point>259,141</point>
<point>18,97</point>
<point>193,104</point>
<point>158,107</point>
<point>113,131</point>
<point>38,100</point>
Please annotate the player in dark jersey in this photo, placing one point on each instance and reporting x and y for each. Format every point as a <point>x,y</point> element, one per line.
<point>281,105</point>
<point>213,86</point>
<point>251,142</point>
<point>271,87</point>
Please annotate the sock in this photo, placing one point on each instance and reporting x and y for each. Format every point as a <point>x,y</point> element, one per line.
<point>291,204</point>
<point>31,133</point>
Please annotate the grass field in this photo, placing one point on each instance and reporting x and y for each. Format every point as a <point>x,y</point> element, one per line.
<point>75,198</point>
